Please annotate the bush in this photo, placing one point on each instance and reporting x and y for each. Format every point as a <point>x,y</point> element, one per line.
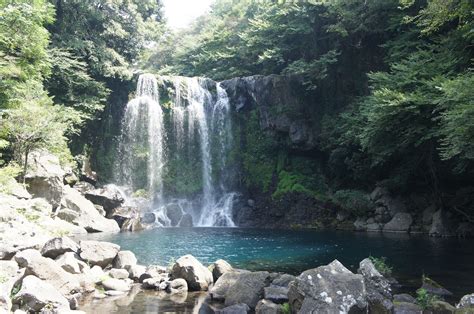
<point>353,201</point>
<point>425,299</point>
<point>7,177</point>
<point>381,265</point>
<point>285,308</point>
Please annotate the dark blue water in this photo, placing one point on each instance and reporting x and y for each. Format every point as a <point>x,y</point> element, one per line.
<point>448,261</point>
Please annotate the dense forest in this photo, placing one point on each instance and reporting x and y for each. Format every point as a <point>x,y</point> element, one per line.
<point>394,79</point>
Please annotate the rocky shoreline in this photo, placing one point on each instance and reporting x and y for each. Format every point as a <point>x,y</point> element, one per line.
<point>55,278</point>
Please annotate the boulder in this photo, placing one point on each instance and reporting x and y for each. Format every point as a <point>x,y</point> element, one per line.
<point>70,262</point>
<point>101,210</point>
<point>440,225</point>
<point>360,224</point>
<point>441,307</point>
<point>379,292</point>
<point>466,302</point>
<point>219,289</point>
<point>374,227</point>
<point>148,218</point>
<point>276,294</point>
<point>174,214</point>
<point>83,187</point>
<point>81,212</point>
<point>401,222</point>
<point>153,271</point>
<point>116,284</point>
<point>109,197</point>
<point>136,271</point>
<point>118,273</point>
<point>125,260</point>
<point>248,289</point>
<point>177,286</point>
<point>190,269</point>
<point>98,252</point>
<point>10,276</point>
<point>283,280</point>
<point>403,297</point>
<point>234,309</point>
<point>44,177</point>
<point>48,270</point>
<point>58,246</point>
<point>17,190</point>
<point>186,221</point>
<point>219,268</point>
<point>132,224</point>
<point>328,289</point>
<point>268,307</point>
<point>434,288</point>
<point>406,308</point>
<point>35,294</point>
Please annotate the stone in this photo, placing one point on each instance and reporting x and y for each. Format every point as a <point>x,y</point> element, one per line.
<point>109,197</point>
<point>222,285</point>
<point>148,218</point>
<point>132,224</point>
<point>466,302</point>
<point>70,262</point>
<point>136,271</point>
<point>406,308</point>
<point>374,280</point>
<point>283,280</point>
<point>427,217</point>
<point>234,309</point>
<point>374,227</point>
<point>186,221</point>
<point>78,210</point>
<point>401,222</point>
<point>360,224</point>
<point>125,260</point>
<point>44,177</point>
<point>440,225</point>
<point>35,294</point>
<point>118,273</point>
<point>276,294</point>
<point>219,268</point>
<point>114,293</point>
<point>70,178</point>
<point>58,246</point>
<point>95,274</point>
<point>116,284</point>
<point>268,307</point>
<point>18,190</point>
<point>174,214</point>
<point>403,297</point>
<point>83,187</point>
<point>441,307</point>
<point>434,288</point>
<point>98,253</point>
<point>152,271</point>
<point>177,286</point>
<point>101,210</point>
<point>190,269</point>
<point>152,283</point>
<point>248,289</point>
<point>10,276</point>
<point>48,270</point>
<point>328,289</point>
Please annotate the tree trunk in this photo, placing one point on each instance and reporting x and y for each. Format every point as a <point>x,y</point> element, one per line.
<point>25,165</point>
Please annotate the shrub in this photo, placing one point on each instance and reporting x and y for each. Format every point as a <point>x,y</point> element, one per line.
<point>381,265</point>
<point>425,299</point>
<point>353,201</point>
<point>7,176</point>
<point>285,308</point>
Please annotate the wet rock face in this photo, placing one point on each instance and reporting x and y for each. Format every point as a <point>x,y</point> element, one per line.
<point>328,289</point>
<point>274,96</point>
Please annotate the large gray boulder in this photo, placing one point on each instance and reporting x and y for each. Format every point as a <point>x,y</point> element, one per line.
<point>248,289</point>
<point>328,289</point>
<point>401,222</point>
<point>379,292</point>
<point>219,268</point>
<point>234,309</point>
<point>44,177</point>
<point>49,271</point>
<point>109,197</point>
<point>70,262</point>
<point>35,294</point>
<point>466,302</point>
<point>440,225</point>
<point>174,214</point>
<point>98,252</point>
<point>76,209</point>
<point>125,260</point>
<point>222,285</point>
<point>58,246</point>
<point>116,284</point>
<point>190,269</point>
<point>177,286</point>
<point>406,308</point>
<point>268,307</point>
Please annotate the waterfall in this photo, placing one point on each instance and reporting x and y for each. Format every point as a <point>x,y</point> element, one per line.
<point>197,138</point>
<point>141,146</point>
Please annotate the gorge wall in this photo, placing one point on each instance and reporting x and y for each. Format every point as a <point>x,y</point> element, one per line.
<point>269,155</point>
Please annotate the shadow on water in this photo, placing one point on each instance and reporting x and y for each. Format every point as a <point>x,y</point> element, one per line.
<point>450,261</point>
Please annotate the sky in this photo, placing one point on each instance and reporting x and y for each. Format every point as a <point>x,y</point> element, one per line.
<point>180,13</point>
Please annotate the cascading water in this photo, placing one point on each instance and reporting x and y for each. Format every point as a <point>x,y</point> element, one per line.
<point>141,147</point>
<point>198,134</point>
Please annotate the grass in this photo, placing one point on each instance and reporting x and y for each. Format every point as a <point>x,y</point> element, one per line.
<point>381,265</point>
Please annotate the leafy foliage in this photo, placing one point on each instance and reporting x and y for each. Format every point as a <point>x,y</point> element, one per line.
<point>353,201</point>
<point>381,265</point>
<point>424,299</point>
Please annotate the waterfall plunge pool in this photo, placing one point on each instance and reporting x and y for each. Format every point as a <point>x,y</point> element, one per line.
<point>449,261</point>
